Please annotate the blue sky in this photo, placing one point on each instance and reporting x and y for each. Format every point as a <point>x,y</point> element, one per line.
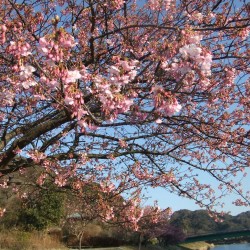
<point>166,199</point>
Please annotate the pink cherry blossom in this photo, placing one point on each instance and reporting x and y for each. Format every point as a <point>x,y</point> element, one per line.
<point>60,181</point>
<point>36,156</point>
<point>28,83</point>
<point>2,211</point>
<point>158,121</point>
<point>114,70</point>
<point>206,63</point>
<point>19,48</point>
<point>125,66</point>
<point>72,76</point>
<point>190,50</point>
<point>69,100</point>
<point>195,39</point>
<point>123,143</point>
<point>26,71</point>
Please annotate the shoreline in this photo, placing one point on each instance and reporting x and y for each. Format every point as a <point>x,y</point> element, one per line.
<point>199,245</point>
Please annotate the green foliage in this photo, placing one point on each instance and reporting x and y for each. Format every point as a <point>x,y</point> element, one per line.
<point>153,241</point>
<point>10,218</point>
<point>42,209</point>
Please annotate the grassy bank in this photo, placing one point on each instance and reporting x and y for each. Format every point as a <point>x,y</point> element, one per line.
<point>18,240</point>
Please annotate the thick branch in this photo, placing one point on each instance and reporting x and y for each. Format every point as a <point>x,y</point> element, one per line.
<point>30,135</point>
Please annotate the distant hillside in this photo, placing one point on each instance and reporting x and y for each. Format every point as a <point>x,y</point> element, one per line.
<point>198,222</point>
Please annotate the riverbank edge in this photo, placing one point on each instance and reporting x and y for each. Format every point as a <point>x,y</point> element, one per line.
<point>199,245</point>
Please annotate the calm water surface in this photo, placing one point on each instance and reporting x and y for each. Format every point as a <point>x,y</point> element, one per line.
<point>233,247</point>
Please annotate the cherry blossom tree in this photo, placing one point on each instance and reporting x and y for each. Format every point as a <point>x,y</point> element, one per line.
<point>127,94</point>
<point>152,223</point>
<point>79,216</point>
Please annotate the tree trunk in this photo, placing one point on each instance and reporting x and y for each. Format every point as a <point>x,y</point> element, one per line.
<point>80,241</point>
<point>140,241</point>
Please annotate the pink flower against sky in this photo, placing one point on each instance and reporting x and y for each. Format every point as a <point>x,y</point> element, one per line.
<point>114,70</point>
<point>195,39</point>
<point>72,76</point>
<point>191,50</point>
<point>17,48</point>
<point>26,74</point>
<point>29,83</point>
<point>206,64</point>
<point>172,108</point>
<point>26,71</point>
<point>69,100</point>
<point>126,66</point>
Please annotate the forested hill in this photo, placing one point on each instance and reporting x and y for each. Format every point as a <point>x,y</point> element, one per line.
<point>199,222</point>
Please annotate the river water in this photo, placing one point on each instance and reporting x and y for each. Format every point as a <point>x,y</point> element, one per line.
<point>233,247</point>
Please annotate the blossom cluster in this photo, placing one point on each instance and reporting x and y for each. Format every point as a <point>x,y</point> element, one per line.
<point>191,62</point>
<point>20,48</point>
<point>26,76</point>
<point>159,4</point>
<point>109,88</point>
<point>57,49</point>
<point>165,102</point>
<point>3,30</point>
<point>194,51</point>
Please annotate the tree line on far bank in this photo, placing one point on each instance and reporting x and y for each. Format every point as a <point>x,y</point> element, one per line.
<point>199,222</point>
